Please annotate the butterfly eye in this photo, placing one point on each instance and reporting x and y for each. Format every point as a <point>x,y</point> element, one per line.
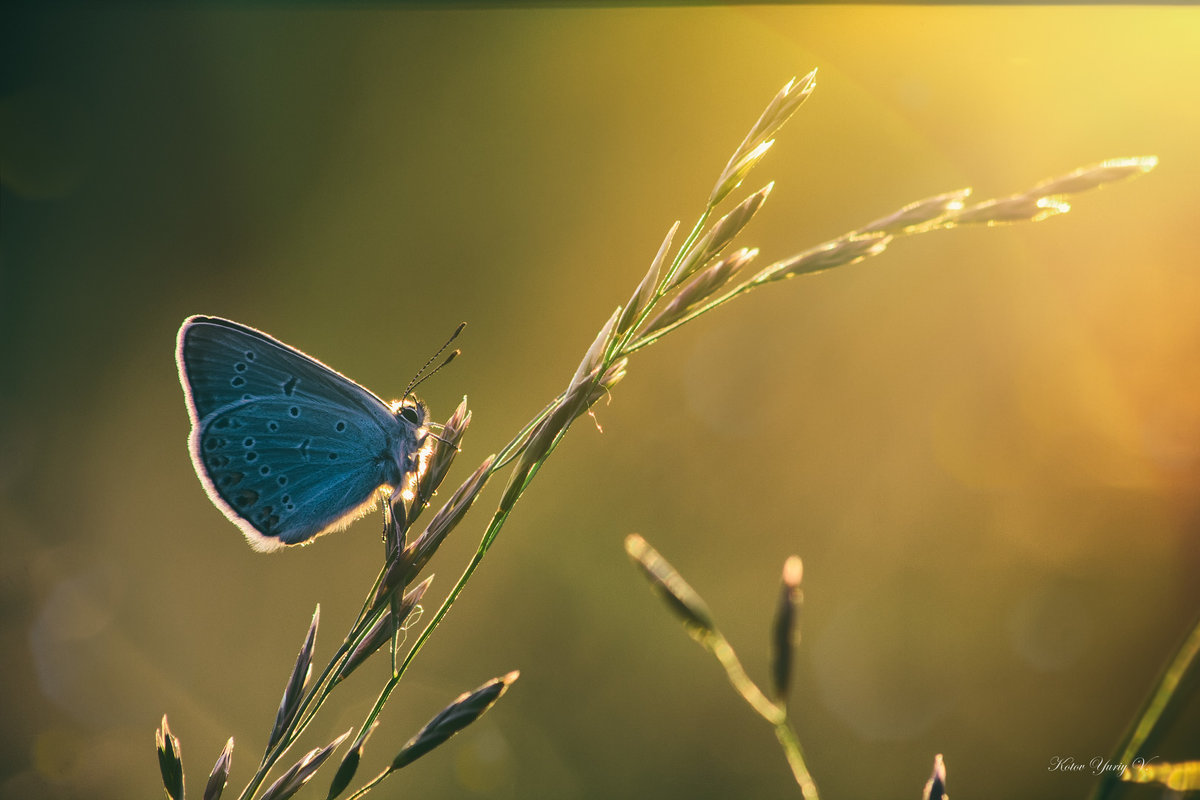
<point>409,414</point>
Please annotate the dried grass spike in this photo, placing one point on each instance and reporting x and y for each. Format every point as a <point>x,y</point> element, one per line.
<point>467,708</point>
<point>681,598</point>
<point>170,760</point>
<point>290,703</point>
<point>302,771</point>
<point>219,776</point>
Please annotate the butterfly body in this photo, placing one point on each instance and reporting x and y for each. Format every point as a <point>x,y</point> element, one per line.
<point>285,446</point>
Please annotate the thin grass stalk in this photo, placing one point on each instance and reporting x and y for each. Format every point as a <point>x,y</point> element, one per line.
<point>1181,670</point>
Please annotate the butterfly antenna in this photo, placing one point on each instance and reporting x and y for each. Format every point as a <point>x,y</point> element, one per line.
<point>421,375</point>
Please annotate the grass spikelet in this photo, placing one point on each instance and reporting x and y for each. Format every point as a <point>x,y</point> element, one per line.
<point>1096,175</point>
<point>417,554</point>
<point>445,448</point>
<point>596,353</point>
<point>681,598</point>
<point>736,173</point>
<point>611,377</point>
<point>838,253</point>
<point>170,760</point>
<point>290,703</point>
<point>465,709</point>
<point>700,289</point>
<point>219,776</point>
<point>381,631</point>
<point>777,112</point>
<point>1009,210</point>
<point>719,235</point>
<point>785,633</point>
<point>649,285</point>
<point>915,215</point>
<point>302,771</point>
<point>935,787</point>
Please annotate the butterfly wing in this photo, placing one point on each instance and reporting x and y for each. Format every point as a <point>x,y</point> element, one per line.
<point>286,470</point>
<point>221,362</point>
<point>286,447</point>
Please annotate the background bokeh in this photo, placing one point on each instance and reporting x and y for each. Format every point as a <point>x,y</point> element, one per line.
<point>985,443</point>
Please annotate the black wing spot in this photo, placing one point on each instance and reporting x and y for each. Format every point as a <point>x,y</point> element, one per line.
<point>289,388</point>
<point>218,462</point>
<point>341,426</point>
<point>248,442</point>
<point>249,355</point>
<point>238,381</point>
<point>251,456</point>
<point>273,426</point>
<point>264,470</point>
<point>231,479</point>
<point>214,443</point>
<point>282,480</point>
<point>287,498</point>
<point>294,411</point>
<point>240,366</point>
<point>222,423</point>
<point>333,456</point>
<point>244,498</point>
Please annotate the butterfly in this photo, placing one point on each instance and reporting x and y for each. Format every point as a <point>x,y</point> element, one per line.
<point>286,447</point>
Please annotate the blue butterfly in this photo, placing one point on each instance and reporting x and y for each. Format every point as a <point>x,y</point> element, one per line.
<point>286,447</point>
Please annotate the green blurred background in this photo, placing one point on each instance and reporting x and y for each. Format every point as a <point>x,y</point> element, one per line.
<point>985,444</point>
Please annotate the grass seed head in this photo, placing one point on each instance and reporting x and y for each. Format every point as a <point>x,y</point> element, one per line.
<point>919,214</point>
<point>785,634</point>
<point>465,709</point>
<point>302,771</point>
<point>417,554</point>
<point>649,285</point>
<point>1009,210</point>
<point>444,450</point>
<point>846,250</point>
<point>935,787</point>
<point>778,111</point>
<point>681,598</point>
<point>381,631</point>
<point>170,760</point>
<point>219,776</point>
<point>718,237</point>
<point>1096,175</point>
<point>290,703</point>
